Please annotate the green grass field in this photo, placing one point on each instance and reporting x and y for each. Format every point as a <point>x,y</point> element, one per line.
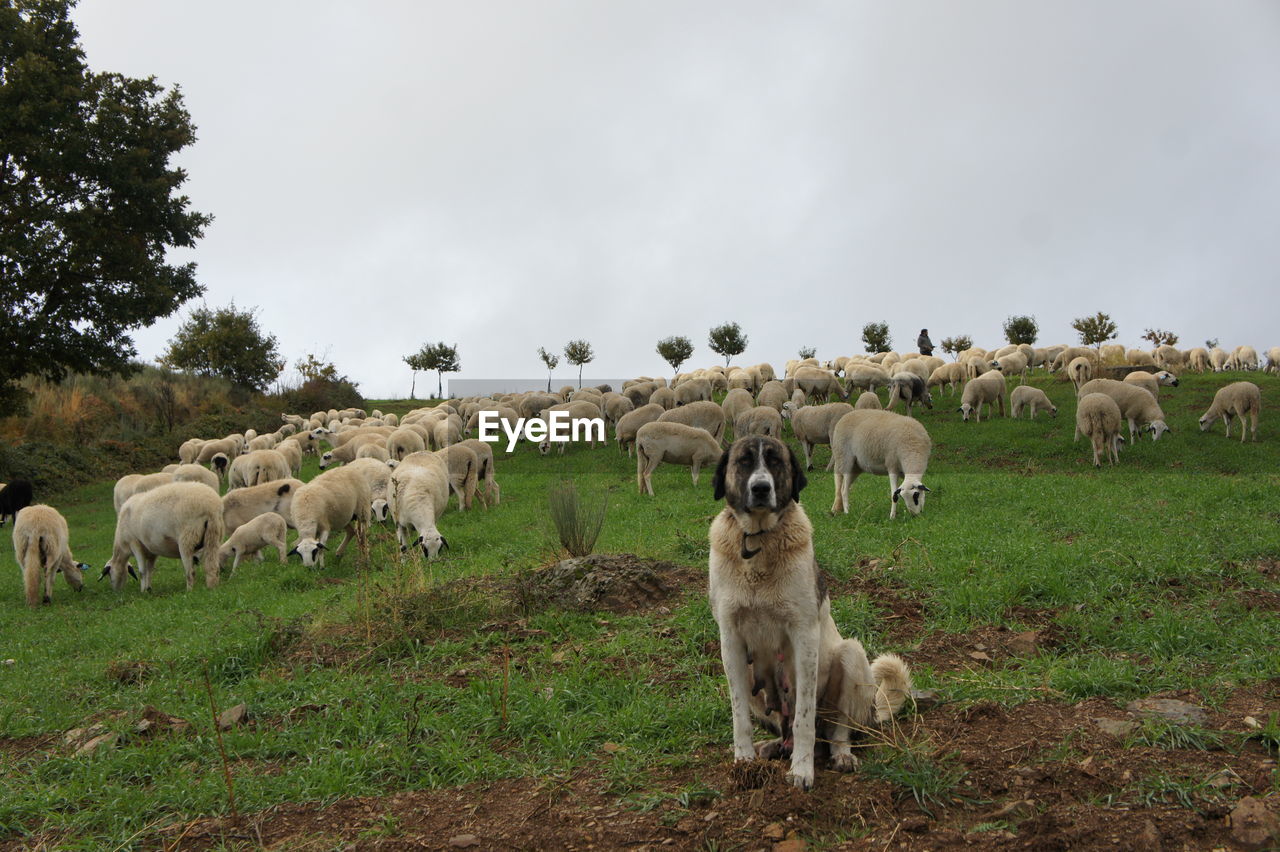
<point>1147,574</point>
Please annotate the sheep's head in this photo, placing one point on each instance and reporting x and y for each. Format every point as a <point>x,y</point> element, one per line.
<point>432,543</point>
<point>117,569</point>
<point>311,551</point>
<point>1053,411</point>
<point>927,399</point>
<point>911,492</point>
<point>544,446</point>
<point>1164,377</point>
<point>326,460</point>
<point>379,509</point>
<point>965,410</point>
<point>1205,423</point>
<point>1157,428</point>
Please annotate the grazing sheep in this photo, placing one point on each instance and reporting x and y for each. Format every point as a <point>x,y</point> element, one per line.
<point>1070,353</point>
<point>1136,405</point>
<point>693,390</point>
<point>1218,359</point>
<point>294,420</point>
<point>256,467</point>
<point>867,400</point>
<point>378,475</point>
<point>582,415</point>
<point>190,450</point>
<point>881,443</point>
<point>229,447</point>
<point>377,452</point>
<point>1273,359</point>
<point>1198,359</point>
<point>704,415</point>
<point>1098,417</point>
<point>615,407</point>
<point>244,504</point>
<point>819,384</point>
<point>813,425</point>
<point>1151,383</point>
<point>491,493</point>
<point>774,394</point>
<point>988,388</point>
<point>675,443</point>
<point>337,499</point>
<point>251,538</point>
<point>196,473</point>
<point>1169,358</point>
<point>1031,399</point>
<point>1238,399</point>
<point>1080,370</point>
<point>464,470</point>
<point>625,430</point>
<point>262,442</point>
<point>951,375</point>
<point>180,520</point>
<point>761,420</point>
<point>910,389</point>
<point>1011,364</point>
<point>1244,358</point>
<point>865,376</point>
<point>345,451</point>
<point>14,497</point>
<point>41,546</point>
<point>665,397</point>
<point>403,441</point>
<point>417,495</point>
<point>137,483</point>
<point>735,402</point>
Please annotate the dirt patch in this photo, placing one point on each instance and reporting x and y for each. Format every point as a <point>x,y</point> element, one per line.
<point>623,583</point>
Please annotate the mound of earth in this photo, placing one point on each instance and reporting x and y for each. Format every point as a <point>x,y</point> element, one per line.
<point>614,582</point>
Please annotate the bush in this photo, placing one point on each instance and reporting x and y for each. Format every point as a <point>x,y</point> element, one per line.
<point>578,523</point>
<point>319,395</point>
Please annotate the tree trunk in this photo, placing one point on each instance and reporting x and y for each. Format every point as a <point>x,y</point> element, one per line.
<point>413,384</point>
<point>548,381</point>
<point>579,377</point>
<point>439,385</point>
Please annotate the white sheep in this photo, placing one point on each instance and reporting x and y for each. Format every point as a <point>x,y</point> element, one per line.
<point>675,443</point>
<point>244,504</point>
<point>1218,359</point>
<point>190,450</point>
<point>378,475</point>
<point>1273,359</point>
<point>376,452</point>
<point>337,499</point>
<point>881,443</point>
<point>1245,357</point>
<point>417,495</point>
<point>1238,399</point>
<point>989,388</point>
<point>1031,399</point>
<point>464,471</point>
<point>910,389</point>
<point>813,425</point>
<point>1011,364</point>
<point>1098,417</point>
<point>267,530</point>
<point>625,430</point>
<point>761,420</point>
<point>137,483</point>
<point>403,441</point>
<point>196,473</point>
<point>866,400</point>
<point>703,415</point>
<point>1151,382</point>
<point>1080,370</point>
<point>734,403</point>
<point>491,493</point>
<point>1137,406</point>
<point>41,546</point>
<point>774,394</point>
<point>181,520</point>
<point>256,467</point>
<point>1198,359</point>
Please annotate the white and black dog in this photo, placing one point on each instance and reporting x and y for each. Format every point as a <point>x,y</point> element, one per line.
<point>782,652</point>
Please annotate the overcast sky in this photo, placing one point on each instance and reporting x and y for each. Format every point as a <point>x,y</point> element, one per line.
<point>509,175</point>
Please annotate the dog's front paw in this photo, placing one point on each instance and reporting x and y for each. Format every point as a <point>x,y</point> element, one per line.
<point>844,763</point>
<point>803,780</point>
<point>771,750</point>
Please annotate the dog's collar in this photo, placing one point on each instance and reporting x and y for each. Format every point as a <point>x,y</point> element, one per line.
<point>747,552</point>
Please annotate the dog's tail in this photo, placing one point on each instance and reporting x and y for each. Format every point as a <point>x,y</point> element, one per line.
<point>893,685</point>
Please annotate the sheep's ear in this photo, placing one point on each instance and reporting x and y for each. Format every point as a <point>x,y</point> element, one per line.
<point>717,481</point>
<point>924,487</point>
<point>444,543</point>
<point>106,570</point>
<point>798,479</point>
<point>293,552</point>
<point>320,545</point>
<point>132,573</point>
<point>897,492</point>
<point>283,490</point>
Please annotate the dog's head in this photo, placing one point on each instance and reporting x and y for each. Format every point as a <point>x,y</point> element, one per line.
<point>759,474</point>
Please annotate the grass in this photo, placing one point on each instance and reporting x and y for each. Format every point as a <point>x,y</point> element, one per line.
<point>389,675</point>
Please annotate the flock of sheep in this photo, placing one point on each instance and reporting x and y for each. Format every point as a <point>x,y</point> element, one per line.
<point>376,465</point>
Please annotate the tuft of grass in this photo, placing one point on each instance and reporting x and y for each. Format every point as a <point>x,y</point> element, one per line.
<point>578,521</point>
<point>928,777</point>
<point>1161,733</point>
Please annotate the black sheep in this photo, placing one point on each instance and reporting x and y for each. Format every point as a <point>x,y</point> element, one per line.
<point>14,496</point>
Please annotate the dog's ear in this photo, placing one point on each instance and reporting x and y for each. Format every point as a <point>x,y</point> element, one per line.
<point>717,481</point>
<point>798,479</point>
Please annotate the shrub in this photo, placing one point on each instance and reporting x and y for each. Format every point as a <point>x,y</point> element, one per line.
<point>578,523</point>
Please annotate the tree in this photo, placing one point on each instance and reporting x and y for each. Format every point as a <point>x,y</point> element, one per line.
<point>1021,329</point>
<point>1160,337</point>
<point>876,336</point>
<point>440,357</point>
<point>225,342</point>
<point>675,351</point>
<point>89,203</point>
<point>416,361</point>
<point>312,369</point>
<point>807,352</point>
<point>953,346</point>
<point>1211,344</point>
<point>1094,330</point>
<point>551,361</point>
<point>578,352</point>
<point>727,340</point>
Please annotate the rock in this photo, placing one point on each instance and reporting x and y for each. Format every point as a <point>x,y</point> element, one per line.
<point>774,831</point>
<point>1118,728</point>
<point>79,736</point>
<point>979,656</point>
<point>1225,778</point>
<point>925,699</point>
<point>1014,810</point>
<point>791,844</point>
<point>464,841</point>
<point>1149,838</point>
<point>1252,825</point>
<point>154,721</point>
<point>232,717</point>
<point>915,824</point>
<point>99,742</point>
<point>1025,644</point>
<point>1169,708</point>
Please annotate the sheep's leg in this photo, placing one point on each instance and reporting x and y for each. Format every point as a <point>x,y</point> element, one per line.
<point>893,500</point>
<point>350,531</point>
<point>808,453</point>
<point>837,478</point>
<point>695,469</point>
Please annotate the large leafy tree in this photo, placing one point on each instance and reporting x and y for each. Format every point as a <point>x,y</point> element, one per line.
<point>675,351</point>
<point>727,340</point>
<point>1021,329</point>
<point>1095,330</point>
<point>875,335</point>
<point>89,202</point>
<point>440,357</point>
<point>225,342</point>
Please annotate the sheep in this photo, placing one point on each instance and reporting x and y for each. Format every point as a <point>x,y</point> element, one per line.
<point>1111,353</point>
<point>639,393</point>
<point>951,374</point>
<point>464,470</point>
<point>1198,359</point>
<point>774,395</point>
<point>1244,358</point>
<point>137,483</point>
<point>373,451</point>
<point>761,420</point>
<point>1169,358</point>
<point>294,420</point>
<point>813,424</point>
<point>819,384</point>
<point>1080,370</point>
<point>1151,383</point>
<point>262,442</point>
<point>1013,363</point>
<point>1098,417</point>
<point>1238,399</point>
<point>1070,353</point>
<point>615,407</point>
<point>41,547</point>
<point>693,390</point>
<point>244,504</point>
<point>180,520</point>
<point>14,497</point>
<point>1273,360</point>
<point>292,450</point>
<point>624,432</point>
<point>196,473</point>
<point>881,443</point>
<point>403,441</point>
<point>256,467</point>
<point>865,376</point>
<point>336,499</point>
<point>866,400</point>
<point>1031,399</point>
<point>228,448</point>
<point>704,415</point>
<point>249,539</point>
<point>735,402</point>
<point>1218,359</point>
<point>1137,406</point>
<point>190,450</point>
<point>665,397</point>
<point>675,443</point>
<point>910,389</point>
<point>417,495</point>
<point>377,473</point>
<point>988,388</point>
<point>346,451</point>
<point>491,494</point>
<point>582,414</point>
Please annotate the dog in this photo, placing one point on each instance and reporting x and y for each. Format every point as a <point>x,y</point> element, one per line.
<point>783,655</point>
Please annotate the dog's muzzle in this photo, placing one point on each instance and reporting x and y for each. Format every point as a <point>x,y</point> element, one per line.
<point>760,492</point>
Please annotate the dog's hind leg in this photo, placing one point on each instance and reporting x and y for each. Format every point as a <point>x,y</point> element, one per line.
<point>849,702</point>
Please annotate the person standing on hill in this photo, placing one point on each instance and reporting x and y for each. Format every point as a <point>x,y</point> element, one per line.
<point>923,344</point>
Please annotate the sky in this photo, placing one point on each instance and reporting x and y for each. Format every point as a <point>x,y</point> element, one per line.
<point>509,174</point>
